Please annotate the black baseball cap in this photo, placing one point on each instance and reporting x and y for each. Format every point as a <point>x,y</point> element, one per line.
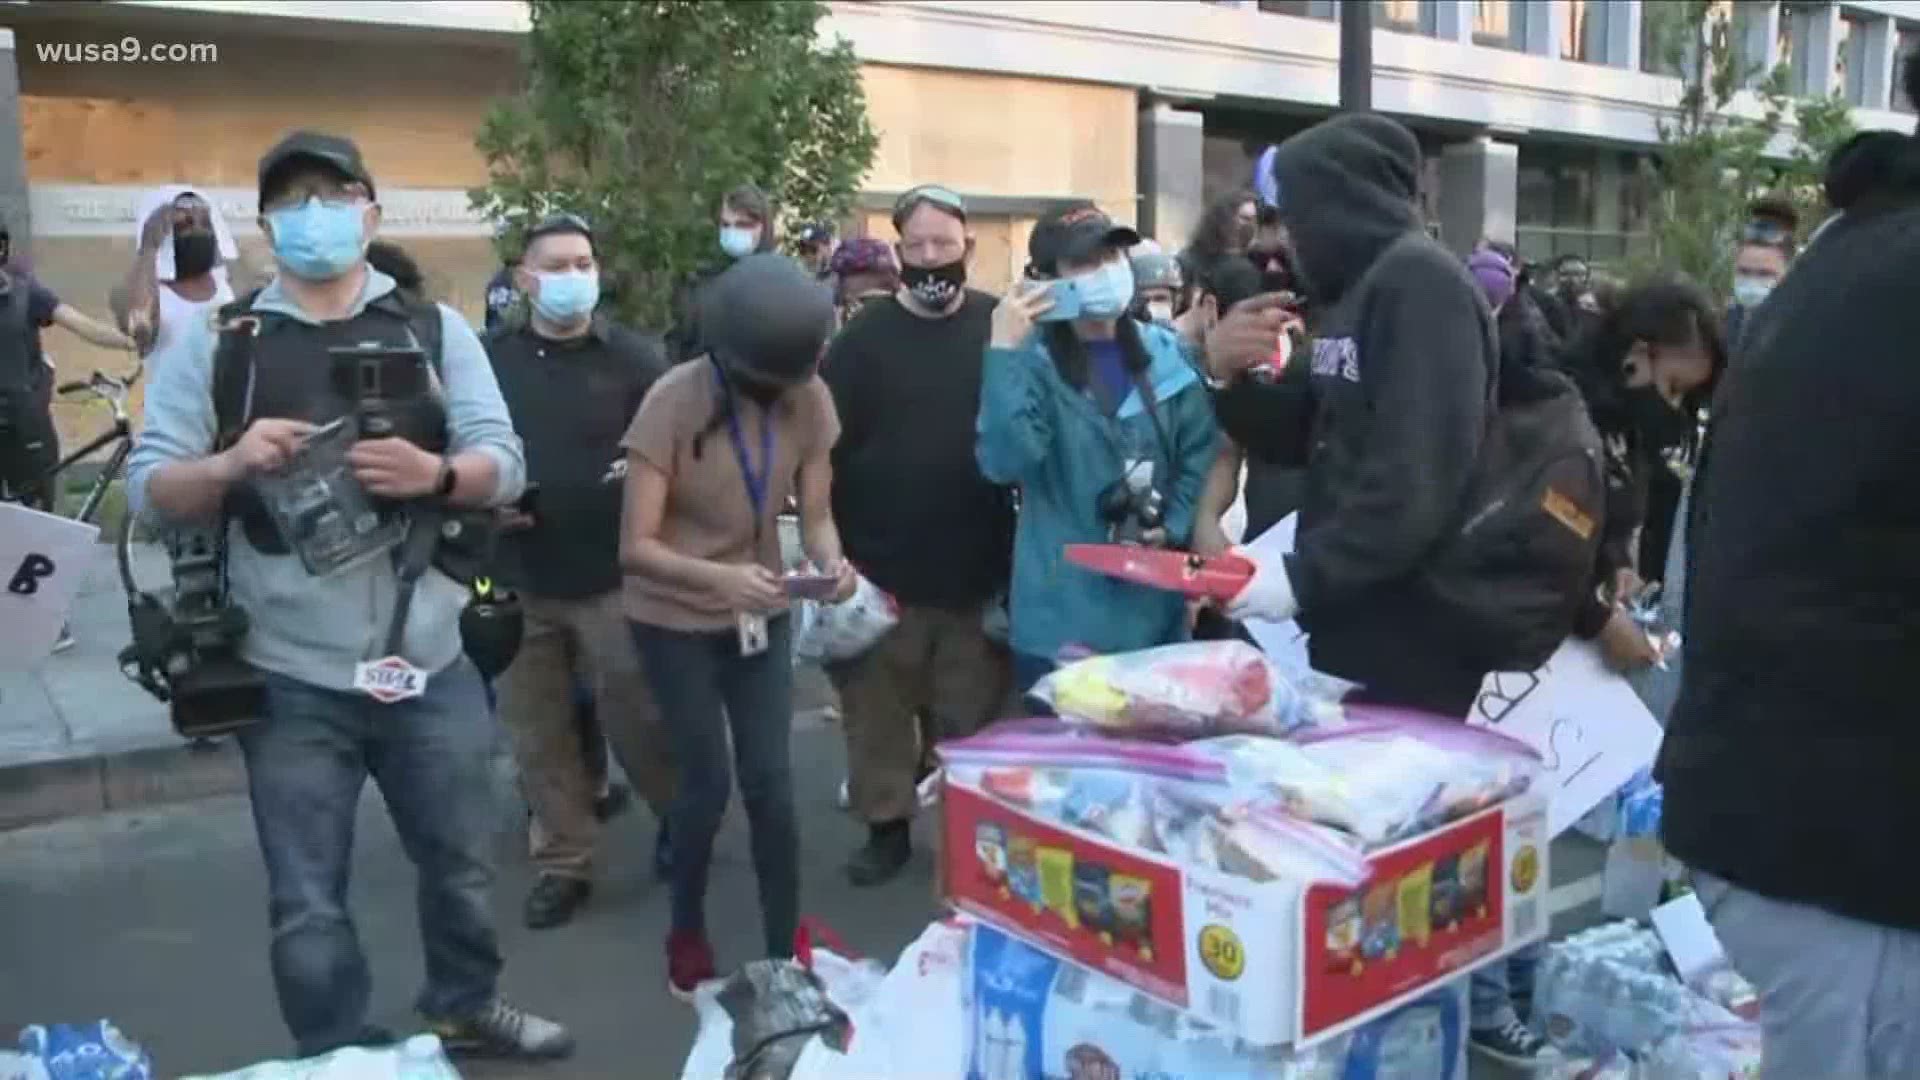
<point>334,151</point>
<point>555,225</point>
<point>1077,231</point>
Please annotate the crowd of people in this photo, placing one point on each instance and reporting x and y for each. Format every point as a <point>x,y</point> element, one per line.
<point>1311,349</point>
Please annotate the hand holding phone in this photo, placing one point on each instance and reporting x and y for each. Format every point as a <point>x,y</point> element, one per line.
<point>810,586</point>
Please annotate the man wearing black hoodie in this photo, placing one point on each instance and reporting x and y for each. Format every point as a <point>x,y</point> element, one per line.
<point>1792,758</point>
<point>1387,417</point>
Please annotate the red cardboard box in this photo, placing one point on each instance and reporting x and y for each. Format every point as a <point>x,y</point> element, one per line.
<point>1274,962</point>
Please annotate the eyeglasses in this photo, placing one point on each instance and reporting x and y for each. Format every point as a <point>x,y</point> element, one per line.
<point>330,192</point>
<point>944,197</point>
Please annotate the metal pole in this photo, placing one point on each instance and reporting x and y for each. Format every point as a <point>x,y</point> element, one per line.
<point>1356,55</point>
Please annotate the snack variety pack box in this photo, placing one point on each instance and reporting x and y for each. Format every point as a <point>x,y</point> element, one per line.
<point>1273,962</point>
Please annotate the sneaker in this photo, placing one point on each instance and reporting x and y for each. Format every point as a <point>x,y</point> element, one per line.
<point>1510,1044</point>
<point>614,803</point>
<point>662,854</point>
<point>64,641</point>
<point>689,963</point>
<point>889,846</point>
<point>554,900</point>
<point>504,1031</point>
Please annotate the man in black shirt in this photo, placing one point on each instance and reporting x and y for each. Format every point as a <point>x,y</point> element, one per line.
<point>917,518</point>
<point>572,383</point>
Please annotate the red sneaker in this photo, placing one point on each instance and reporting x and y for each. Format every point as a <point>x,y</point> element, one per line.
<point>689,962</point>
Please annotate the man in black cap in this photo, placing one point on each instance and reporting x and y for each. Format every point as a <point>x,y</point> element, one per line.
<point>572,380</point>
<point>235,401</point>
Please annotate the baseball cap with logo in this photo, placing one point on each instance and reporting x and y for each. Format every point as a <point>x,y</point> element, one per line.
<point>1076,231</point>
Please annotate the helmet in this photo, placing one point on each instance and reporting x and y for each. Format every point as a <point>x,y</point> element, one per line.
<point>1155,270</point>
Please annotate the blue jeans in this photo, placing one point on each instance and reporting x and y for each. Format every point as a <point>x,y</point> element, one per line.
<point>1496,992</point>
<point>307,761</point>
<point>706,688</point>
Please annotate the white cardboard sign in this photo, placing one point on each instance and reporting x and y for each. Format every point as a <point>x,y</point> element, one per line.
<point>1588,724</point>
<point>43,561</point>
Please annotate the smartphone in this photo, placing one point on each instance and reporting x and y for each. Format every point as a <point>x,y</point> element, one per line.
<point>1066,301</point>
<point>809,586</point>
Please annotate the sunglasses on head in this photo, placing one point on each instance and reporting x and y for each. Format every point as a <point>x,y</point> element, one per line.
<point>944,197</point>
<point>1763,231</point>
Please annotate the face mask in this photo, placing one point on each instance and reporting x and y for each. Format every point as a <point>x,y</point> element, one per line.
<point>1160,311</point>
<point>567,296</point>
<point>1105,293</point>
<point>193,254</point>
<point>935,286</point>
<point>1748,291</point>
<point>737,241</point>
<point>318,242</point>
<point>1663,425</point>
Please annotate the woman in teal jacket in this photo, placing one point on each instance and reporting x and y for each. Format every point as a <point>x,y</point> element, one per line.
<point>1106,430</point>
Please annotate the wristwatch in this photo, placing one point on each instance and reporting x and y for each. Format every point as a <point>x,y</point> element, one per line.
<point>444,484</point>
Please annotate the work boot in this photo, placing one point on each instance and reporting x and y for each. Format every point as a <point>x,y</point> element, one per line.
<point>502,1030</point>
<point>554,900</point>
<point>889,846</point>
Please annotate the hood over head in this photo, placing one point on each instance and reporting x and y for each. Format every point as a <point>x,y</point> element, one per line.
<point>1347,189</point>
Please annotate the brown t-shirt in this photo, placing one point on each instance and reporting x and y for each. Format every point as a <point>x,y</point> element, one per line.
<point>708,513</point>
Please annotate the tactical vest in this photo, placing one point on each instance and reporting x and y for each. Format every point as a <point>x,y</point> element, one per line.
<point>272,366</point>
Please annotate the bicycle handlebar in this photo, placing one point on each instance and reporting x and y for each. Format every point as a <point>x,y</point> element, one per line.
<point>72,387</point>
<point>109,388</point>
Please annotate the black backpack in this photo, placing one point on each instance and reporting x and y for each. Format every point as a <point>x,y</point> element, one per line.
<point>1510,579</point>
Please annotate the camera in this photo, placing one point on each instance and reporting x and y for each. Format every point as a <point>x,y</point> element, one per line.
<point>187,654</point>
<point>1132,506</point>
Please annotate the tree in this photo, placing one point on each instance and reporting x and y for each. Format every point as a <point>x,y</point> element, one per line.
<point>641,115</point>
<point>1712,162</point>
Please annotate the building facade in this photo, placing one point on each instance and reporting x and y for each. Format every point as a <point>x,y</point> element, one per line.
<point>1533,113</point>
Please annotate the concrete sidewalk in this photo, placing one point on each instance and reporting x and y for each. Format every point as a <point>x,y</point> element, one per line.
<point>77,737</point>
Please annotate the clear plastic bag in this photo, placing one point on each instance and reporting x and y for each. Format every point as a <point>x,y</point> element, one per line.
<point>830,633</point>
<point>1190,690</point>
<point>419,1058</point>
<point>1382,776</point>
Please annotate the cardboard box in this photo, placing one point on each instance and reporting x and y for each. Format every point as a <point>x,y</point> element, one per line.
<point>1272,962</point>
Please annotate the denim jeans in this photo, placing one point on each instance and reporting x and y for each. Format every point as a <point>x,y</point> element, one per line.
<point>1498,992</point>
<point>308,760</point>
<point>706,688</point>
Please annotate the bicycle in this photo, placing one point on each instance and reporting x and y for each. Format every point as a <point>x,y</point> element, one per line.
<point>113,390</point>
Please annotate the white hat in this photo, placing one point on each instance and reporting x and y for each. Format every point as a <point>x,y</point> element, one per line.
<point>165,196</point>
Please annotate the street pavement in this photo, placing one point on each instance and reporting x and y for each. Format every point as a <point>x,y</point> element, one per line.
<point>156,919</point>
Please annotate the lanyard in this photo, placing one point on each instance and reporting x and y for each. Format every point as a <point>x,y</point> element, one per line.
<point>756,485</point>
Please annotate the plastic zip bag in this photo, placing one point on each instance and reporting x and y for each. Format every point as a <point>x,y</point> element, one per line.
<point>1380,776</point>
<point>832,633</point>
<point>1189,690</point>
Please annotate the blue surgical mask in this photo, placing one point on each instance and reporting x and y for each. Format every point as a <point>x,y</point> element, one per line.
<point>1748,290</point>
<point>1106,292</point>
<point>566,296</point>
<point>1103,293</point>
<point>738,242</point>
<point>318,241</point>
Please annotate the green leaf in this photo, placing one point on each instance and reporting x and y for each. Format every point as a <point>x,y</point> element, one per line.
<point>641,114</point>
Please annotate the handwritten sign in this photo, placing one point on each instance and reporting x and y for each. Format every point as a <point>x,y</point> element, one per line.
<point>1589,726</point>
<point>43,561</point>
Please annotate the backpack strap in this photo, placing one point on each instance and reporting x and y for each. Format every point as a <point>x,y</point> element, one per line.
<point>237,325</point>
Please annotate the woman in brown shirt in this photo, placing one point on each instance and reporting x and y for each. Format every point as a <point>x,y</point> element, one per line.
<point>718,446</point>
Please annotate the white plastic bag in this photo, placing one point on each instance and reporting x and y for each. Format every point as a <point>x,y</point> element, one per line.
<point>828,633</point>
<point>848,985</point>
<point>419,1058</point>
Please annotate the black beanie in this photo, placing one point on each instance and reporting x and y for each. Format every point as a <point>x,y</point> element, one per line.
<point>766,316</point>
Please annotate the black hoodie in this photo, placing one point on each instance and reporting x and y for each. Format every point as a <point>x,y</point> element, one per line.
<point>1387,416</point>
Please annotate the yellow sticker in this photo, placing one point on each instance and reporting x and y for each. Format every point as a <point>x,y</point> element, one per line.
<point>1568,513</point>
<point>1526,869</point>
<point>1221,952</point>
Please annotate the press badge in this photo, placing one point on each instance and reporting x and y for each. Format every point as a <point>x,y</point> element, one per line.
<point>391,679</point>
<point>753,634</point>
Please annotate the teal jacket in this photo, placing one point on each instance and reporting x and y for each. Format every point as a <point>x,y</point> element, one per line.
<point>1039,433</point>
